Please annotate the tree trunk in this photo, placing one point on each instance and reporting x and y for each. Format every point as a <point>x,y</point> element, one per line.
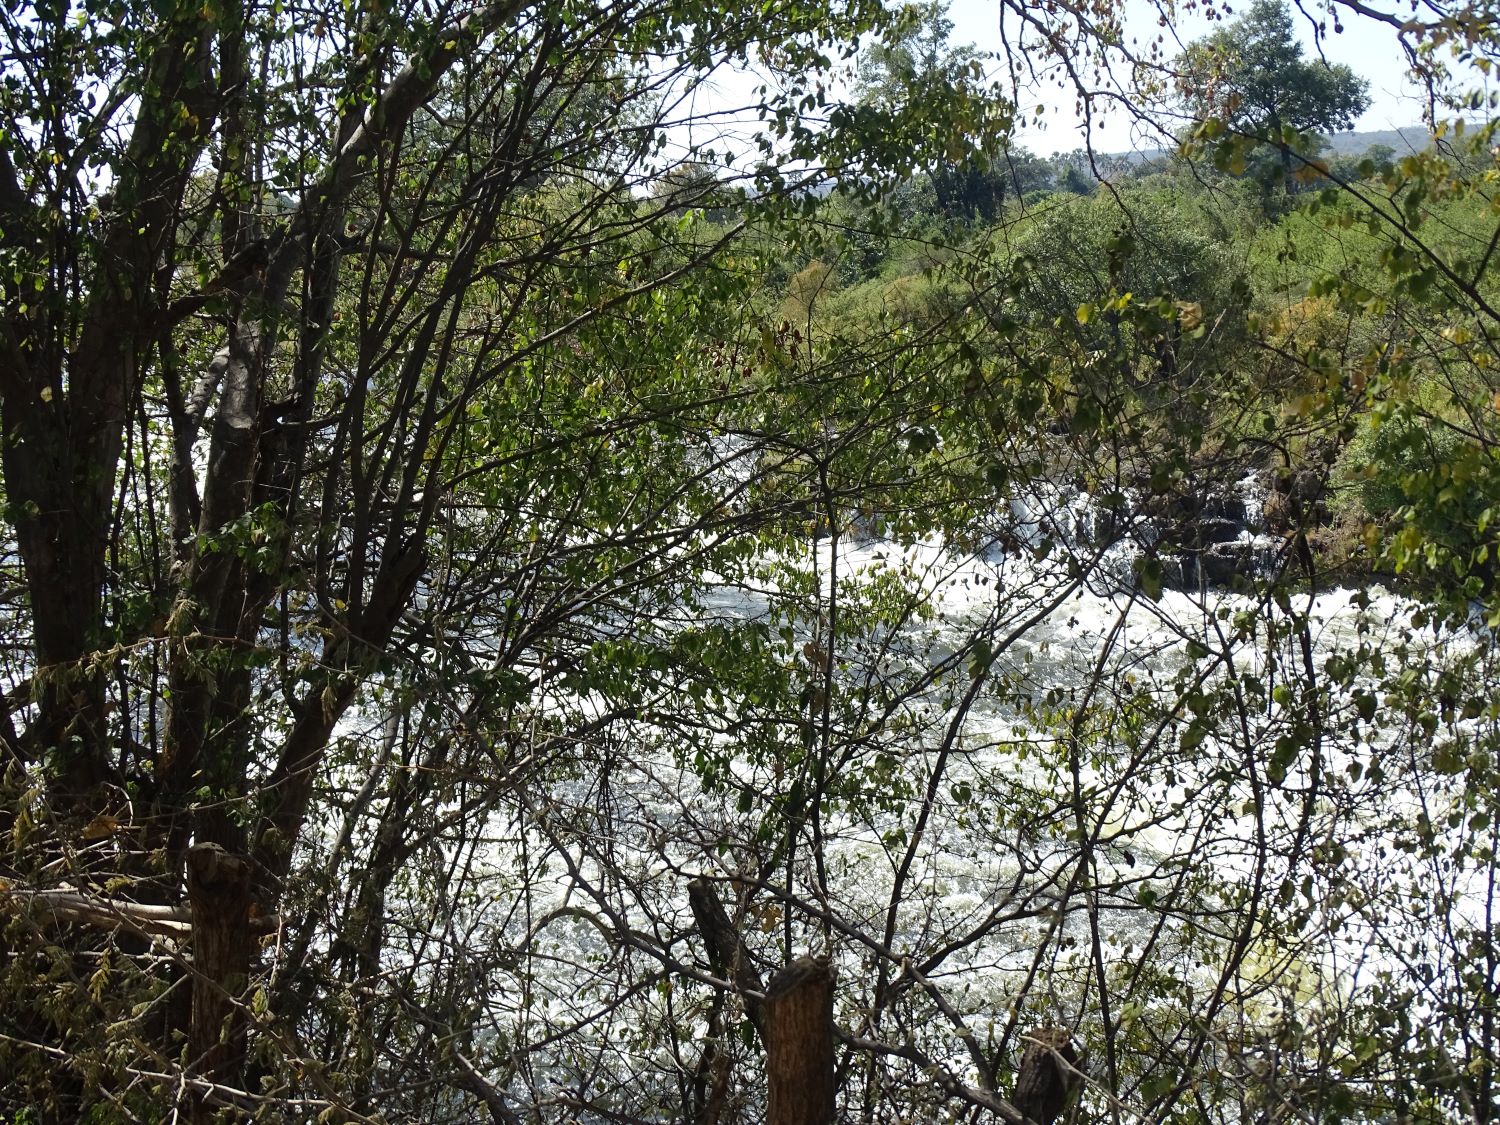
<point>60,530</point>
<point>66,394</point>
<point>219,893</point>
<point>799,1044</point>
<point>728,955</point>
<point>1047,1076</point>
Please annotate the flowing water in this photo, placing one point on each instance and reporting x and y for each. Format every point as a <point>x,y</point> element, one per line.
<point>1036,778</point>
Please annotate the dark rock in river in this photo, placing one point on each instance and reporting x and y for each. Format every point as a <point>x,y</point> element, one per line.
<point>1211,536</point>
<point>1220,564</point>
<point>1215,531</point>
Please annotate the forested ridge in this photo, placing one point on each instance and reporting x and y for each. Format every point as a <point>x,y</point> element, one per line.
<point>530,592</point>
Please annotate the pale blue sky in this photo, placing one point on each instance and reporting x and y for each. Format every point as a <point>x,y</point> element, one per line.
<point>1367,46</point>
<point>715,115</point>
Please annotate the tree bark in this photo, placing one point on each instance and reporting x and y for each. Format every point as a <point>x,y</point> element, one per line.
<point>799,1044</point>
<point>728,955</point>
<point>219,893</point>
<point>1048,1074</point>
<point>65,399</point>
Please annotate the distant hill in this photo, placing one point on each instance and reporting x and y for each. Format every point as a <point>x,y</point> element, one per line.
<point>1412,138</point>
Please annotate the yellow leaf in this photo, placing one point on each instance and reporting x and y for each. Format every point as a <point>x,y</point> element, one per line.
<point>101,827</point>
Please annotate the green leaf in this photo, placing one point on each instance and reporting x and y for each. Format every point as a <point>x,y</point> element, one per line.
<point>1148,575</point>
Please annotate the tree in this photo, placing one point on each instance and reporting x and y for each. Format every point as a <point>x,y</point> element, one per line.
<point>1252,77</point>
<point>1075,172</point>
<point>915,52</point>
<point>288,300</point>
<point>914,64</point>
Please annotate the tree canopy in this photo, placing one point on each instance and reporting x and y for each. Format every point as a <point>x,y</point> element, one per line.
<point>1252,76</point>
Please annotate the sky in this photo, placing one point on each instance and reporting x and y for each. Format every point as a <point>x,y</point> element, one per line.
<point>1367,46</point>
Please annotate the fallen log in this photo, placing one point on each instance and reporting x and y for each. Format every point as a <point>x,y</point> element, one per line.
<point>66,903</point>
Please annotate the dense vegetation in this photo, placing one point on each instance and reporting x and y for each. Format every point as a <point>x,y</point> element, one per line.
<point>474,548</point>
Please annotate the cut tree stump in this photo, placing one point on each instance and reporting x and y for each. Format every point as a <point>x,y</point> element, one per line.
<point>219,894</point>
<point>799,1044</point>
<point>1047,1076</point>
